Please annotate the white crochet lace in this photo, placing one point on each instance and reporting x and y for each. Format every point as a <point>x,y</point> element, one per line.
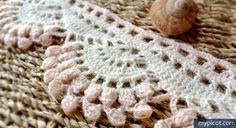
<point>107,59</point>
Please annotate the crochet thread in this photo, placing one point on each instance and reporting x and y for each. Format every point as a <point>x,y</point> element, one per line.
<point>74,78</point>
<point>25,22</point>
<point>110,61</point>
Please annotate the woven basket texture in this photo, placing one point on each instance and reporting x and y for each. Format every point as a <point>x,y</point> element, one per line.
<point>24,101</point>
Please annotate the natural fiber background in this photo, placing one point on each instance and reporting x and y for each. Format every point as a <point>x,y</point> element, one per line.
<point>24,101</point>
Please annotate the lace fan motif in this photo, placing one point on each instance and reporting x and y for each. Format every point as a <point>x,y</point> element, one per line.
<point>110,77</point>
<point>109,66</point>
<point>116,61</point>
<point>24,23</point>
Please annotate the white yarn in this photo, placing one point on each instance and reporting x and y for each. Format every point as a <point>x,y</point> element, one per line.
<point>112,54</point>
<point>119,58</point>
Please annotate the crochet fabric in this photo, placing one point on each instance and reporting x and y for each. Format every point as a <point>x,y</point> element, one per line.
<point>113,77</point>
<point>106,61</point>
<point>24,23</point>
<point>116,54</point>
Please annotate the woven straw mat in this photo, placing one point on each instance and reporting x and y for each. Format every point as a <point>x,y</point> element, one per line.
<point>24,101</point>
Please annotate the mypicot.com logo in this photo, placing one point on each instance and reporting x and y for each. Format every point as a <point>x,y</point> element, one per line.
<point>215,123</point>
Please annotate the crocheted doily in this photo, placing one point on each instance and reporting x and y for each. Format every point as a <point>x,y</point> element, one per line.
<point>107,62</point>
<point>25,22</point>
<point>110,76</point>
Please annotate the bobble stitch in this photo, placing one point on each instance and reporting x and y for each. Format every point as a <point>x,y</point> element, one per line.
<point>35,32</point>
<point>127,98</point>
<point>10,40</point>
<point>70,104</point>
<point>144,91</point>
<point>57,89</point>
<point>67,64</point>
<point>115,116</point>
<point>70,46</point>
<point>24,43</point>
<point>50,62</point>
<point>24,31</point>
<point>69,74</point>
<point>93,92</point>
<point>53,51</point>
<point>91,111</point>
<point>50,74</point>
<point>142,110</point>
<point>80,84</point>
<point>108,96</point>
<point>45,39</point>
<point>67,56</point>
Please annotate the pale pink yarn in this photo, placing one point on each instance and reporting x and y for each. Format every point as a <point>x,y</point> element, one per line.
<point>21,31</point>
<point>116,116</point>
<point>144,91</point>
<point>93,92</point>
<point>127,97</point>
<point>108,96</point>
<point>91,111</point>
<point>24,43</point>
<point>70,104</point>
<point>67,82</point>
<point>80,84</point>
<point>184,118</point>
<point>53,51</point>
<point>180,118</point>
<point>49,75</point>
<point>142,110</point>
<point>57,89</point>
<point>120,70</point>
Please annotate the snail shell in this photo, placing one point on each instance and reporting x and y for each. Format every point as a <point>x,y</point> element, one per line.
<point>173,17</point>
